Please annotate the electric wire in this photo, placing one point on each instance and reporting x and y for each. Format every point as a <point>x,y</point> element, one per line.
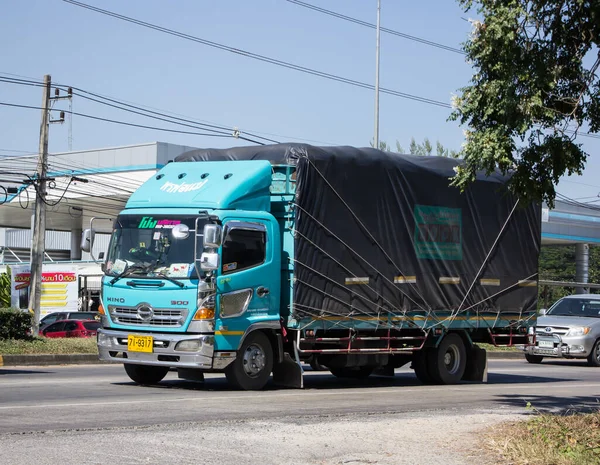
<point>373,26</point>
<point>263,58</point>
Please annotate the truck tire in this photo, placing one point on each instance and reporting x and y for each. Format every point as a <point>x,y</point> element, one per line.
<point>447,362</point>
<point>594,357</point>
<point>145,374</point>
<point>419,364</point>
<point>352,373</point>
<point>253,364</point>
<point>536,359</point>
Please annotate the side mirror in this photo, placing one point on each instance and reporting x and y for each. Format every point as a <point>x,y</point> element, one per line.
<point>87,240</point>
<point>213,236</point>
<point>209,261</point>
<point>543,311</point>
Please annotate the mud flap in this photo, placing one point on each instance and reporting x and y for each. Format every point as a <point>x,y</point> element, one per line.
<point>288,373</point>
<point>477,368</point>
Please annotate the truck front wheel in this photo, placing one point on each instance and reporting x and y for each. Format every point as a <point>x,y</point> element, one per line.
<point>145,374</point>
<point>253,364</point>
<point>448,361</point>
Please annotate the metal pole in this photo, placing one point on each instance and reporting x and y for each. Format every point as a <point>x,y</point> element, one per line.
<point>39,230</point>
<point>376,144</point>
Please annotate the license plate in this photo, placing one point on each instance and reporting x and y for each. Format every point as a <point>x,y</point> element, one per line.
<point>139,343</point>
<point>546,344</point>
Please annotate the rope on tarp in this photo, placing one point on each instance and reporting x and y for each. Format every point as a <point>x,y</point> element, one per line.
<point>359,256</point>
<point>415,289</point>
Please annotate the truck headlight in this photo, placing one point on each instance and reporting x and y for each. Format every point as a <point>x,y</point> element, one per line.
<point>578,331</point>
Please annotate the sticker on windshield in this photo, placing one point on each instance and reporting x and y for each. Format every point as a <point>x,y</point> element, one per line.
<point>156,235</point>
<point>230,266</point>
<point>119,266</point>
<point>148,222</point>
<point>179,270</point>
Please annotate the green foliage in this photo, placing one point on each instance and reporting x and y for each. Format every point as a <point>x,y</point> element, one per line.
<point>557,263</point>
<point>14,324</point>
<point>423,149</point>
<point>5,289</point>
<point>536,79</point>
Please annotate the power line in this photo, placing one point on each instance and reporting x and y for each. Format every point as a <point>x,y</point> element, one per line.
<point>250,132</point>
<point>263,58</point>
<point>143,111</point>
<point>83,115</point>
<point>373,26</point>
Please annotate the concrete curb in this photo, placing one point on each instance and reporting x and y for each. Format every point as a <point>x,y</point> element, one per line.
<point>50,359</point>
<point>83,359</point>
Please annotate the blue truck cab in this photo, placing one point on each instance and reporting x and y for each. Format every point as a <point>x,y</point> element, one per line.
<point>256,261</point>
<point>193,273</point>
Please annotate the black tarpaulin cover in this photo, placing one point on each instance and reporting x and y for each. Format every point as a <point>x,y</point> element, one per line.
<point>381,232</point>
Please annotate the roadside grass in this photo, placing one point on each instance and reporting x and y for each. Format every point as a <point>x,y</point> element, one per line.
<point>569,439</point>
<point>49,346</point>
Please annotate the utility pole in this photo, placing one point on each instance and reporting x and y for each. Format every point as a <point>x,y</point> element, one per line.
<point>38,246</point>
<point>377,79</point>
<point>39,222</point>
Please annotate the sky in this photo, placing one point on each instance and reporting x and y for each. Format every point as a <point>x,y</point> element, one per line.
<point>148,68</point>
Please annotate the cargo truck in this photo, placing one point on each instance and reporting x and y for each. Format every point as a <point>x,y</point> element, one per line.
<point>259,261</point>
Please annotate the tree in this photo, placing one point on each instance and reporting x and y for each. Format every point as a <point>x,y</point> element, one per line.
<point>424,149</point>
<point>536,85</point>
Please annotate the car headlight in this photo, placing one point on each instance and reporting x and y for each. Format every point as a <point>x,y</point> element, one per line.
<point>578,331</point>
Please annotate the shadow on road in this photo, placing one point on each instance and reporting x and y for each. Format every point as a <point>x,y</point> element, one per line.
<point>324,380</point>
<point>551,404</point>
<point>16,371</point>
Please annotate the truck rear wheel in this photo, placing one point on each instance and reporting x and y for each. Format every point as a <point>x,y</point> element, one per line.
<point>447,363</point>
<point>145,374</point>
<point>253,364</point>
<point>353,373</point>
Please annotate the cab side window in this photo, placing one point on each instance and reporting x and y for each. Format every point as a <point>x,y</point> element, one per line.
<point>243,249</point>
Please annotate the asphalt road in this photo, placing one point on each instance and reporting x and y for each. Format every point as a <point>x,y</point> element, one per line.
<point>56,405</point>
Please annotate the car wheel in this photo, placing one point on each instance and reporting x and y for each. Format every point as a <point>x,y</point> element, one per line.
<point>145,374</point>
<point>594,357</point>
<point>253,364</point>
<point>537,359</point>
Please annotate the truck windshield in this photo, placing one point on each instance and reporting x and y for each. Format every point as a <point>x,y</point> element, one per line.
<point>151,246</point>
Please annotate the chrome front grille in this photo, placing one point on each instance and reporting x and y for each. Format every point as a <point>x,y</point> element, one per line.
<point>161,317</point>
<point>554,330</point>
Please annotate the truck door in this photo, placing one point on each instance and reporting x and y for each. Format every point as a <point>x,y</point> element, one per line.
<point>248,285</point>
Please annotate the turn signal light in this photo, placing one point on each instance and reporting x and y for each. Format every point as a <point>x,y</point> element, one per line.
<point>204,313</point>
<point>101,310</point>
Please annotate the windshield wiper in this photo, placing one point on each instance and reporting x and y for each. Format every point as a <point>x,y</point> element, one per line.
<point>162,274</point>
<point>128,271</point>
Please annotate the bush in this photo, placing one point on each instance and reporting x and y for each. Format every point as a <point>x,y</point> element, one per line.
<point>15,324</point>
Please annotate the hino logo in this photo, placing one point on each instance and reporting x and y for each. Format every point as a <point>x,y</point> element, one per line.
<point>145,312</point>
<point>118,300</point>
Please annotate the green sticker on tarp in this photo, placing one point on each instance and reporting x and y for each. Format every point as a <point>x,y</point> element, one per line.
<point>438,232</point>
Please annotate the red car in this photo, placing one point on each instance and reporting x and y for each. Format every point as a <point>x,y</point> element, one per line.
<point>71,328</point>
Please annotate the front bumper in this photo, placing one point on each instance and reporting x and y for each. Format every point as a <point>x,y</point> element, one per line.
<point>112,347</point>
<point>561,347</point>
